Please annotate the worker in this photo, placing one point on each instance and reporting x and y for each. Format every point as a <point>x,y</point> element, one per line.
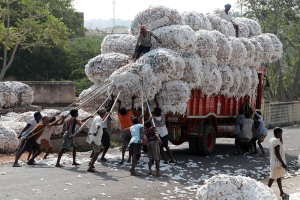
<point>227,15</point>
<point>143,44</point>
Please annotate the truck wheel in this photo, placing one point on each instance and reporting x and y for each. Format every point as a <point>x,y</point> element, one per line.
<point>193,144</point>
<point>207,143</point>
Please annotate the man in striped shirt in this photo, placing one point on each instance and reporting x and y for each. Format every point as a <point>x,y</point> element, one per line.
<point>144,42</point>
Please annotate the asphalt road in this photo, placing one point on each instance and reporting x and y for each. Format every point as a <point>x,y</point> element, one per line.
<point>179,180</point>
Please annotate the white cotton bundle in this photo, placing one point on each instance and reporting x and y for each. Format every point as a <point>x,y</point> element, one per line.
<point>165,63</point>
<point>8,140</point>
<point>19,117</point>
<point>258,55</point>
<point>14,125</point>
<point>237,79</point>
<point>155,17</point>
<point>196,20</point>
<point>99,68</point>
<point>224,187</point>
<point>221,25</point>
<point>254,27</point>
<point>193,72</point>
<point>267,44</point>
<point>255,81</point>
<point>173,96</point>
<point>179,38</point>
<point>15,94</point>
<point>239,52</point>
<point>250,51</point>
<point>243,28</point>
<point>227,79</point>
<point>212,81</point>
<point>246,82</point>
<point>119,43</point>
<point>224,48</point>
<point>278,47</point>
<point>92,102</point>
<point>206,46</point>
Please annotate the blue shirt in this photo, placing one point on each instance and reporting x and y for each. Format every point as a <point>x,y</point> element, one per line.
<point>135,131</point>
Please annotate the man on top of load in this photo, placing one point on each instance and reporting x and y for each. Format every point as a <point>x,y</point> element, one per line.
<point>227,15</point>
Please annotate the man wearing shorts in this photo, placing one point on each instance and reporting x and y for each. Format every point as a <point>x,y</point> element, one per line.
<point>95,136</point>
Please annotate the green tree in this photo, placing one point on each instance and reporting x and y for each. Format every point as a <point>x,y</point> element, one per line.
<point>26,24</point>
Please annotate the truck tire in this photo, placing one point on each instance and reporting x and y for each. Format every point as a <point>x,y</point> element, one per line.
<point>193,144</point>
<point>207,143</point>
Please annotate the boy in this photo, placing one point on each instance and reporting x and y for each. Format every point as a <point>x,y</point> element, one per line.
<point>68,137</point>
<point>277,161</point>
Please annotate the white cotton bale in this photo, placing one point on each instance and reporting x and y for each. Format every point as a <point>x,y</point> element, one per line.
<point>196,20</point>
<point>206,46</point>
<point>24,93</point>
<point>193,72</point>
<point>224,48</point>
<point>244,30</point>
<point>20,117</point>
<point>8,140</point>
<point>246,82</point>
<point>165,63</point>
<point>224,187</point>
<point>212,80</point>
<point>173,96</point>
<point>14,125</point>
<point>227,79</point>
<point>99,68</point>
<point>237,79</point>
<point>155,17</point>
<point>258,55</point>
<point>253,26</point>
<point>119,43</point>
<point>239,52</point>
<point>267,44</point>
<point>179,38</point>
<point>126,82</point>
<point>221,25</point>
<point>278,47</point>
<point>255,81</point>
<point>250,51</point>
<point>230,29</point>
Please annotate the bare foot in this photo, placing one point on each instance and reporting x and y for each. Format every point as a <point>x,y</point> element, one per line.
<point>75,163</point>
<point>16,165</point>
<point>58,165</point>
<point>157,174</point>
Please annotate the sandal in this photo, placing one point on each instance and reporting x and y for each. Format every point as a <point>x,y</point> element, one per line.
<point>285,196</point>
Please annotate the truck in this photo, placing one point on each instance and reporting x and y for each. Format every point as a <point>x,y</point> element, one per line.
<point>210,117</point>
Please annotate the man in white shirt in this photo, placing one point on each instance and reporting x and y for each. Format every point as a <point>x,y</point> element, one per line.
<point>227,15</point>
<point>94,137</point>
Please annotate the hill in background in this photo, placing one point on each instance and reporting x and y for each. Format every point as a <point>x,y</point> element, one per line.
<point>101,24</point>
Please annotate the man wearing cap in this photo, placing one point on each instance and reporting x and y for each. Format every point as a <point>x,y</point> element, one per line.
<point>227,15</point>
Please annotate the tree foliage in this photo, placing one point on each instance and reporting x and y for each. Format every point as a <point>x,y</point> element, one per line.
<point>280,17</point>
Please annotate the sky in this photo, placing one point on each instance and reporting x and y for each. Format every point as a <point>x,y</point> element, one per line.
<point>127,9</point>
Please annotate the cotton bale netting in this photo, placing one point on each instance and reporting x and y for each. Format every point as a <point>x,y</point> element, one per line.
<point>179,38</point>
<point>258,55</point>
<point>196,20</point>
<point>250,48</point>
<point>254,27</point>
<point>155,17</point>
<point>224,187</point>
<point>239,52</point>
<point>206,46</point>
<point>193,72</point>
<point>15,94</point>
<point>221,25</point>
<point>244,30</point>
<point>224,48</point>
<point>267,44</point>
<point>119,43</point>
<point>246,82</point>
<point>278,47</point>
<point>8,140</point>
<point>93,97</point>
<point>237,78</point>
<point>99,68</point>
<point>173,96</point>
<point>165,63</point>
<point>212,81</point>
<point>227,79</point>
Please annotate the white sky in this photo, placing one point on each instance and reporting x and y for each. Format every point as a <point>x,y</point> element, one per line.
<point>127,9</point>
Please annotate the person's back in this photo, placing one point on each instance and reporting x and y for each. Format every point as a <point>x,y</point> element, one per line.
<point>246,128</point>
<point>226,16</point>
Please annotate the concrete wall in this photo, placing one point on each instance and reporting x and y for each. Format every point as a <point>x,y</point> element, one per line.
<point>281,113</point>
<point>52,92</point>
